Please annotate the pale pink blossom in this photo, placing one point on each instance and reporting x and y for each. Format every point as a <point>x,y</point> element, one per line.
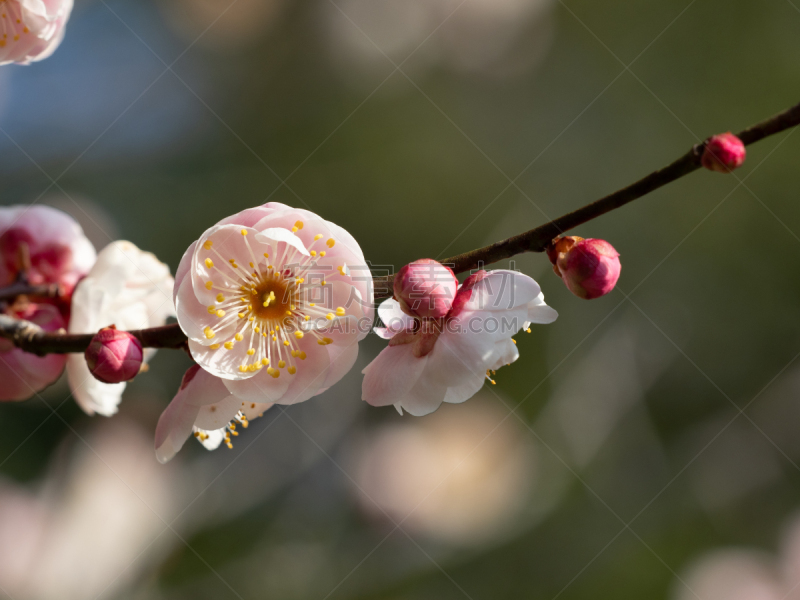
<point>742,573</point>
<point>274,301</point>
<point>723,153</point>
<point>425,289</point>
<point>23,374</point>
<point>114,356</point>
<point>31,30</point>
<point>58,250</point>
<point>429,361</point>
<point>590,268</point>
<point>203,407</point>
<point>38,245</point>
<point>127,288</point>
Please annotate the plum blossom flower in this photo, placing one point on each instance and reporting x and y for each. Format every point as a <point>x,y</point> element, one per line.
<point>49,241</point>
<point>127,288</point>
<point>23,374</point>
<point>31,30</point>
<point>203,407</point>
<point>429,362</point>
<point>274,301</point>
<point>38,245</point>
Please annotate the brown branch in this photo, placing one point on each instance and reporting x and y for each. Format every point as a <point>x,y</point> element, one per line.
<point>32,338</point>
<point>536,240</point>
<point>21,288</point>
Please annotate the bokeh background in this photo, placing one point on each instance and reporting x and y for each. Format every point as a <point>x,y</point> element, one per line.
<point>645,445</point>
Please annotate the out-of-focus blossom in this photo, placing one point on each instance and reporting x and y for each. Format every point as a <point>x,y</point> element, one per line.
<point>22,374</point>
<point>114,356</point>
<point>236,25</point>
<point>84,534</point>
<point>487,36</point>
<point>127,288</point>
<point>427,363</point>
<point>31,30</point>
<point>274,301</point>
<point>732,575</point>
<point>204,407</point>
<point>425,289</point>
<point>745,574</point>
<point>50,241</point>
<point>459,477</point>
<point>590,268</point>
<point>723,153</point>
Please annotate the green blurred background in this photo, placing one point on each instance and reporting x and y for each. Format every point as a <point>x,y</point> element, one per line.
<point>637,435</point>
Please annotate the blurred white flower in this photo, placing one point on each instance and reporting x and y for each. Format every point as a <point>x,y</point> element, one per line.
<point>460,476</point>
<point>473,35</point>
<point>84,534</point>
<point>128,288</point>
<point>745,574</point>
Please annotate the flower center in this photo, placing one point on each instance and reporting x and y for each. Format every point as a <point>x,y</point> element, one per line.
<point>271,299</point>
<point>268,303</point>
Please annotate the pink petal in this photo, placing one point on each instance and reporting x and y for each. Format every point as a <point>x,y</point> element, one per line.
<point>222,363</point>
<point>391,375</point>
<point>198,389</point>
<point>218,414</point>
<point>193,317</point>
<point>342,359</point>
<point>424,398</point>
<point>260,387</point>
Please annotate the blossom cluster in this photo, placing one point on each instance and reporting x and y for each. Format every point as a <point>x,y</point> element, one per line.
<point>273,301</point>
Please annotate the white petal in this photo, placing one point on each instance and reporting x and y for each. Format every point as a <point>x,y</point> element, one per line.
<point>209,439</point>
<point>424,398</point>
<point>92,396</point>
<point>389,377</point>
<point>465,389</point>
<point>218,414</point>
<point>539,312</point>
<point>275,235</point>
<point>503,290</point>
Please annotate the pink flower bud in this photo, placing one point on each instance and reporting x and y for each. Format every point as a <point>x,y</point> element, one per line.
<point>425,289</point>
<point>114,356</point>
<point>590,268</point>
<point>723,153</point>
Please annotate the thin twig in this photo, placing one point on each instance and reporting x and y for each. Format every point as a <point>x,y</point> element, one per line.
<point>32,338</point>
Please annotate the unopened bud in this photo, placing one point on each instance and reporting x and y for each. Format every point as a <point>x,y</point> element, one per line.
<point>425,289</point>
<point>723,153</point>
<point>114,356</point>
<point>590,268</point>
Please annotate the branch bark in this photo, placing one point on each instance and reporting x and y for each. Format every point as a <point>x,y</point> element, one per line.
<point>32,338</point>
